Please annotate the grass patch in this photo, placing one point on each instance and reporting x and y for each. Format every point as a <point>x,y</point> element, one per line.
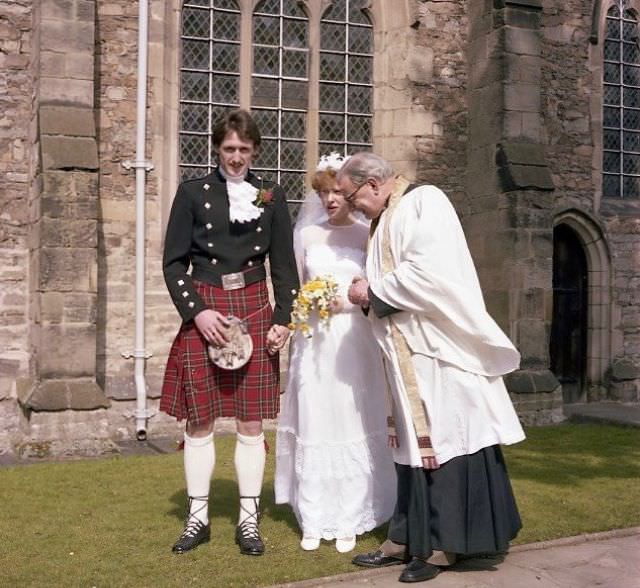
<point>111,522</point>
<point>574,479</point>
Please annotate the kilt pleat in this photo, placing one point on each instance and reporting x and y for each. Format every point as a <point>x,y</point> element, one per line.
<point>195,389</point>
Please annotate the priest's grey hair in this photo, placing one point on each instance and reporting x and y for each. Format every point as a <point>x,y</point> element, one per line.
<point>364,165</point>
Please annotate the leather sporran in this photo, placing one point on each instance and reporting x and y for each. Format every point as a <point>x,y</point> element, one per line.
<point>238,349</point>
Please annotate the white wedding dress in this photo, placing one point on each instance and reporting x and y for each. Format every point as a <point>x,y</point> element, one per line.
<point>333,465</point>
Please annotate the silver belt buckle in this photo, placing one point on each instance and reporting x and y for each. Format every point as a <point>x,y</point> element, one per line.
<point>233,281</point>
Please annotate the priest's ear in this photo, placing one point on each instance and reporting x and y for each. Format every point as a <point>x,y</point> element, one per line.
<point>374,183</point>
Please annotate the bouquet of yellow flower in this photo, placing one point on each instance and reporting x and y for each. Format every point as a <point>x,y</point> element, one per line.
<point>317,294</point>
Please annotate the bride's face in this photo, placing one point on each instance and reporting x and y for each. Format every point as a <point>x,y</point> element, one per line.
<point>337,207</point>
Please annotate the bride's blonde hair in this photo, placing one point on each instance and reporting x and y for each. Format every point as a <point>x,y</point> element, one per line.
<point>323,180</point>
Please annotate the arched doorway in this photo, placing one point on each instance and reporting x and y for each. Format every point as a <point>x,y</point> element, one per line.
<point>568,345</point>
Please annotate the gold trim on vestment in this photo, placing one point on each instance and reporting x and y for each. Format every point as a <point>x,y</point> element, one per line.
<point>403,352</point>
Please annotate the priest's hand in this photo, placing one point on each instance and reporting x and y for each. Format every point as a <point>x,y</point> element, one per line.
<point>276,338</point>
<point>359,292</point>
<point>213,326</point>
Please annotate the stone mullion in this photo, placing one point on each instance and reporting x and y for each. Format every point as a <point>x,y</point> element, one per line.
<point>246,51</point>
<point>315,10</point>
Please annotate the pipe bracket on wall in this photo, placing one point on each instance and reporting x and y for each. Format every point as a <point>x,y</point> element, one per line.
<point>130,164</point>
<point>136,354</point>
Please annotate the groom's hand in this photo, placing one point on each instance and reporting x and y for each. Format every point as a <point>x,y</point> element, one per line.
<point>276,338</point>
<point>359,292</point>
<point>213,326</point>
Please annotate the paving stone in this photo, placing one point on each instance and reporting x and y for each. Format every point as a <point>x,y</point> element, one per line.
<point>625,369</point>
<point>605,412</point>
<point>604,559</point>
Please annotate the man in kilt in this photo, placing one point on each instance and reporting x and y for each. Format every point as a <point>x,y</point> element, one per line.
<point>224,226</point>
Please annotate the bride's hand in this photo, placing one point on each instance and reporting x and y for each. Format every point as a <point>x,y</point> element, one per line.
<point>337,304</point>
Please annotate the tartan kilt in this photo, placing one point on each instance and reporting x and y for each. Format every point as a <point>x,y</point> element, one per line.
<point>196,389</point>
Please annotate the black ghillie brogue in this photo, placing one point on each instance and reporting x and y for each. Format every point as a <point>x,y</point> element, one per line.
<point>195,531</point>
<point>247,534</point>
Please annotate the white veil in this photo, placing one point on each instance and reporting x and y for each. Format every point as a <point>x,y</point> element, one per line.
<point>312,212</point>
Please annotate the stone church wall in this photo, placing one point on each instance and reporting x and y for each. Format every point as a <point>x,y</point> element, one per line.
<point>16,163</point>
<point>117,30</point>
<point>442,37</point>
<point>457,87</point>
<point>572,111</point>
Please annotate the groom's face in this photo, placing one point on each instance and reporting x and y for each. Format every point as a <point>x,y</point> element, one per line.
<point>235,155</point>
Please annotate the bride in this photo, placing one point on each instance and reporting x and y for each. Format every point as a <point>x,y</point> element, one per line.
<point>333,465</point>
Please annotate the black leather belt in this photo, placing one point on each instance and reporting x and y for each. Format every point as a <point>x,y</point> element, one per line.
<point>232,281</point>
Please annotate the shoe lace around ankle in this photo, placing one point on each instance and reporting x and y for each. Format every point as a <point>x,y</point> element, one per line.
<point>193,524</point>
<point>249,529</point>
<point>249,526</point>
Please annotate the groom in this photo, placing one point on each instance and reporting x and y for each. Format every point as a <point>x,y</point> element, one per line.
<point>225,226</point>
<point>443,356</point>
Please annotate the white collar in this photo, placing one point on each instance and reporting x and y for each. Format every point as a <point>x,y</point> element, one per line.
<point>242,196</point>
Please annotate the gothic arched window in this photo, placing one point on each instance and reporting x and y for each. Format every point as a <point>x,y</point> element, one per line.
<point>303,68</point>
<point>621,104</point>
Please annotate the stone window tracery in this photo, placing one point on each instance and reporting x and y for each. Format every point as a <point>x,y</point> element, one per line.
<point>621,103</point>
<point>307,78</point>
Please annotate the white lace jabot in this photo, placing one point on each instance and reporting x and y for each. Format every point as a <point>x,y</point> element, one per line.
<point>242,196</point>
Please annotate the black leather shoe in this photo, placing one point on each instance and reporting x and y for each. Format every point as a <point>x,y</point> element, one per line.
<point>247,535</point>
<point>248,538</point>
<point>195,533</point>
<point>418,570</point>
<point>377,559</point>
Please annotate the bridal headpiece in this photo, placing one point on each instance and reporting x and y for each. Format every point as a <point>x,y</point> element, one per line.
<point>332,161</point>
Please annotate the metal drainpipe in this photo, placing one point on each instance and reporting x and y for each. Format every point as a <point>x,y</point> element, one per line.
<point>141,166</point>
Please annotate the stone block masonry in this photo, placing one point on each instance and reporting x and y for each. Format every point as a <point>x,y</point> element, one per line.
<point>63,223</point>
<point>16,91</point>
<point>497,102</point>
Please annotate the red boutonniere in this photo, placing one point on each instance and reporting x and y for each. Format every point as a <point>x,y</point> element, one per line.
<point>264,197</point>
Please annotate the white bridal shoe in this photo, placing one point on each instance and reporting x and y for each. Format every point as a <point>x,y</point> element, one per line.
<point>346,544</point>
<point>310,543</point>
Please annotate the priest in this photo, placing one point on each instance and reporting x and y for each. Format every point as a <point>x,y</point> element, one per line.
<point>449,410</point>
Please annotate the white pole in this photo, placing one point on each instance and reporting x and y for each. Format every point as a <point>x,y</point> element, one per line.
<point>142,167</point>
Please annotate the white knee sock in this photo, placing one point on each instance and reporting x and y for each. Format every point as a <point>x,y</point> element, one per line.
<point>199,461</point>
<point>250,458</point>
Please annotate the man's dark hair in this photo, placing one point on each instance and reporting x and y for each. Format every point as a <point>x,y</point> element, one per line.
<point>240,121</point>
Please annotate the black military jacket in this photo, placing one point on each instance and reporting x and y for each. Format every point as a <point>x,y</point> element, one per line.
<point>199,234</point>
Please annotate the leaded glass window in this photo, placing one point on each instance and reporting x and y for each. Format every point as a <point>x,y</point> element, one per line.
<point>258,55</point>
<point>280,91</point>
<point>346,75</point>
<point>209,78</point>
<point>621,104</point>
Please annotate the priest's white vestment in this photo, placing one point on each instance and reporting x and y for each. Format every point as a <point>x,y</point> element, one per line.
<point>457,350</point>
